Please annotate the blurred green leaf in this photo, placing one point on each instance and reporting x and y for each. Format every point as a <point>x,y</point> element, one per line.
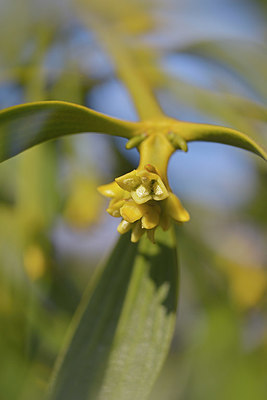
<point>247,59</point>
<point>228,107</point>
<point>122,331</point>
<point>24,126</point>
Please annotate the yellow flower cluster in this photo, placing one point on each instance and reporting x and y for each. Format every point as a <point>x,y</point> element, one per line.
<point>143,202</point>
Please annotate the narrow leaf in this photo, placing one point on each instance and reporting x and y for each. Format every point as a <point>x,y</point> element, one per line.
<point>26,125</point>
<point>247,59</point>
<point>219,134</point>
<point>122,332</point>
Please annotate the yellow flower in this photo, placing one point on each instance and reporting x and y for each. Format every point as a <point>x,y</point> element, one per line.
<point>143,201</point>
<point>143,185</point>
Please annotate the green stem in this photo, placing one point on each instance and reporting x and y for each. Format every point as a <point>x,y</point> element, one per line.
<point>145,102</point>
<point>156,150</point>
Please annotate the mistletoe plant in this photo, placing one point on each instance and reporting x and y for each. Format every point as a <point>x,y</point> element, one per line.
<point>122,331</point>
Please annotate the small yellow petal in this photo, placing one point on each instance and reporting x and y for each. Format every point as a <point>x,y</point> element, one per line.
<point>110,190</point>
<point>159,190</point>
<point>117,203</point>
<point>151,216</point>
<point>131,212</point>
<point>137,232</point>
<point>113,212</point>
<point>175,209</point>
<point>123,227</point>
<point>128,181</point>
<point>114,207</point>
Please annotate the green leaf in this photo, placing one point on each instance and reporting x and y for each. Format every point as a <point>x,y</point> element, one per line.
<point>122,332</point>
<point>219,134</point>
<point>245,58</point>
<point>225,106</point>
<point>26,125</point>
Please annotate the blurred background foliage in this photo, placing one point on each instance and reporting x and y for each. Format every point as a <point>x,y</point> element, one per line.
<point>205,61</point>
